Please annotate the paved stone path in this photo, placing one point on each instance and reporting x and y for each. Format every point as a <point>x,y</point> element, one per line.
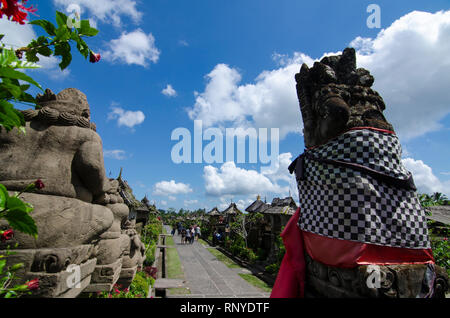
<point>208,277</point>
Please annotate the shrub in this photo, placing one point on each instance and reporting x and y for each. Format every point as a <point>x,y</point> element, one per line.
<point>441,253</point>
<point>272,268</point>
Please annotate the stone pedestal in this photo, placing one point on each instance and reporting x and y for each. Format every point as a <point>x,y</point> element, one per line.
<point>391,281</point>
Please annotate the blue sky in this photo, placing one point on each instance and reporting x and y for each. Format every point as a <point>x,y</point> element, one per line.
<point>232,64</point>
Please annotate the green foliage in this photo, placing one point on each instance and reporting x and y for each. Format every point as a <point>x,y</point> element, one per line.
<point>60,37</point>
<point>281,251</point>
<point>432,200</point>
<point>17,212</point>
<point>57,43</point>
<point>138,289</point>
<point>237,246</point>
<point>7,275</point>
<point>272,268</point>
<point>441,253</point>
<point>150,235</point>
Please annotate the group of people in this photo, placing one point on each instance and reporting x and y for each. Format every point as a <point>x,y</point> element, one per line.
<point>189,234</point>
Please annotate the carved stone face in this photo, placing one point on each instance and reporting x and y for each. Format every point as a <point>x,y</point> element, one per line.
<point>69,100</point>
<point>335,96</point>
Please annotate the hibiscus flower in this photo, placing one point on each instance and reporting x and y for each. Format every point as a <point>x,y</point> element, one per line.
<point>16,10</point>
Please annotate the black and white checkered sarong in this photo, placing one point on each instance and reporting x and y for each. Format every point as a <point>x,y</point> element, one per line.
<point>344,203</point>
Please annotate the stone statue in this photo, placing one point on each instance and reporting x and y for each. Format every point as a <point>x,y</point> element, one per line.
<point>358,205</point>
<point>79,212</point>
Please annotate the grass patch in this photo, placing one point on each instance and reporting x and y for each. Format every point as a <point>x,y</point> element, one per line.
<point>255,281</point>
<point>224,259</point>
<point>179,291</point>
<point>174,270</point>
<point>169,241</point>
<point>173,266</point>
<point>202,242</point>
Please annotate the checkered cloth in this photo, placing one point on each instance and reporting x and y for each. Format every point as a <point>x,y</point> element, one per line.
<point>356,188</point>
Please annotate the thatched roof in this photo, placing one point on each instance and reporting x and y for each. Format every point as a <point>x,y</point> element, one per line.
<point>128,197</point>
<point>258,206</point>
<point>440,214</point>
<point>214,212</point>
<point>232,209</point>
<point>282,206</point>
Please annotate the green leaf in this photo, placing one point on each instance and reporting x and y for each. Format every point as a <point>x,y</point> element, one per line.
<point>61,19</point>
<point>10,73</point>
<point>83,48</point>
<point>63,50</point>
<point>3,196</point>
<point>25,65</point>
<point>7,57</point>
<point>31,56</point>
<point>45,51</point>
<point>14,90</point>
<point>10,117</point>
<point>2,265</point>
<point>1,36</point>
<point>19,218</point>
<point>16,267</point>
<point>86,29</point>
<point>46,25</point>
<point>62,34</point>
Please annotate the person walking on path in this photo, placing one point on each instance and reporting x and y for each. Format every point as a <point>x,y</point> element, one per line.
<point>192,235</point>
<point>183,235</point>
<point>197,232</point>
<point>188,235</point>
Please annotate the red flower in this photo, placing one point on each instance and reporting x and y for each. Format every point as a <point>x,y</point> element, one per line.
<point>33,284</point>
<point>7,235</point>
<point>39,184</point>
<point>16,10</point>
<point>94,57</point>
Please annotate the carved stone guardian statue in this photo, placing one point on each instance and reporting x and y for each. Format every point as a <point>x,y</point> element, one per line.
<point>363,231</point>
<point>77,213</point>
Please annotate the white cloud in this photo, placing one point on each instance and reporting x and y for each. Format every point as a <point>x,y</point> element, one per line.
<point>183,43</point>
<point>270,102</point>
<point>17,36</point>
<point>107,11</point>
<point>190,202</point>
<point>232,180</point>
<point>115,154</point>
<point>126,118</point>
<point>409,60</point>
<point>135,47</point>
<point>411,66</point>
<point>167,188</point>
<point>164,203</point>
<point>425,180</point>
<point>169,91</point>
<point>243,204</point>
<point>172,198</point>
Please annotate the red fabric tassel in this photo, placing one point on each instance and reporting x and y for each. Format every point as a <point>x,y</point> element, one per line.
<point>290,282</point>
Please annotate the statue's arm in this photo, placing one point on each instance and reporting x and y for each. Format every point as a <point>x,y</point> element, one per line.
<point>90,167</point>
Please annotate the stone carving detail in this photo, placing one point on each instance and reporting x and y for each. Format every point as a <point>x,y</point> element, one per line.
<point>79,212</point>
<point>336,96</point>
